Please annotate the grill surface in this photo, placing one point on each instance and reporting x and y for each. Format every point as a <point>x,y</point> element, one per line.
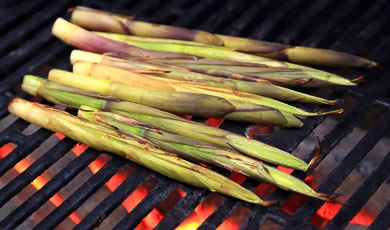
<point>358,27</point>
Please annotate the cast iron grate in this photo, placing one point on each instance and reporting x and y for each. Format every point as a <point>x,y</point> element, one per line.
<point>359,27</point>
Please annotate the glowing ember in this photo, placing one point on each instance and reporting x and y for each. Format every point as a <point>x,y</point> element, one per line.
<point>236,219</point>
<point>199,215</point>
<point>187,116</point>
<point>202,212</point>
<point>60,136</point>
<point>238,178</point>
<point>192,225</point>
<point>257,129</point>
<point>214,122</point>
<point>135,198</point>
<point>39,182</point>
<point>150,221</point>
<point>5,150</point>
<point>205,209</point>
<point>286,170</point>
<point>78,149</point>
<point>130,202</point>
<point>328,211</point>
<point>159,212</point>
<point>264,190</point>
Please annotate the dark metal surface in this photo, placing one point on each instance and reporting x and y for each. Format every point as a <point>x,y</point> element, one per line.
<point>357,26</point>
<point>47,191</point>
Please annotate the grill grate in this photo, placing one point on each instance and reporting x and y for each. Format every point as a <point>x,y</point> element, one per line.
<point>357,26</point>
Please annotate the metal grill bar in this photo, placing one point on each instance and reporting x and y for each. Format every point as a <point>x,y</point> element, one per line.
<point>176,12</point>
<point>340,128</point>
<point>152,8</point>
<point>154,197</point>
<point>343,43</point>
<point>280,140</point>
<point>96,216</point>
<point>381,50</point>
<point>81,194</point>
<point>292,32</point>
<point>251,220</point>
<point>52,187</point>
<point>118,7</point>
<point>15,127</point>
<point>255,221</point>
<point>331,22</point>
<point>382,220</point>
<point>343,128</point>
<point>137,10</point>
<point>182,209</point>
<point>362,195</point>
<point>161,16</point>
<point>257,8</point>
<point>233,126</point>
<point>38,41</point>
<point>50,53</point>
<point>262,30</point>
<point>43,17</point>
<point>219,215</point>
<point>164,12</point>
<point>372,28</point>
<point>176,210</point>
<point>205,14</point>
<point>6,136</point>
<point>218,15</point>
<point>226,208</point>
<point>63,64</point>
<point>380,88</point>
<point>4,100</point>
<point>197,16</point>
<point>24,148</point>
<point>335,178</point>
<point>310,123</point>
<point>191,16</point>
<point>13,16</point>
<point>36,169</point>
<point>225,22</point>
<point>103,5</point>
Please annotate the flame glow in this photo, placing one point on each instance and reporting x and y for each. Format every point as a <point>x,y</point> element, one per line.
<point>328,211</point>
<point>203,211</point>
<point>214,122</point>
<point>39,182</point>
<point>257,129</point>
<point>199,215</point>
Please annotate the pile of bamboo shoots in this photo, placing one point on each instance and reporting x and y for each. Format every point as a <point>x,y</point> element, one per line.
<point>132,80</point>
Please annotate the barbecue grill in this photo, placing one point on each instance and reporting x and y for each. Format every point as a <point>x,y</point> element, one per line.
<point>41,186</point>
